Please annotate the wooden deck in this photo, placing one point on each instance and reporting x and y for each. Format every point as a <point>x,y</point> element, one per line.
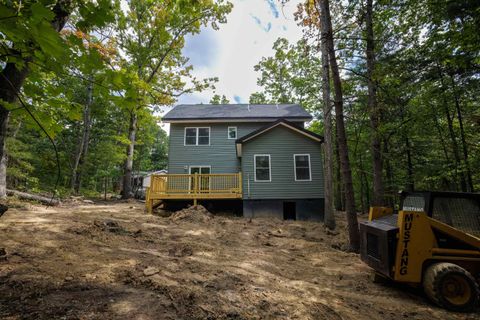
<point>193,187</point>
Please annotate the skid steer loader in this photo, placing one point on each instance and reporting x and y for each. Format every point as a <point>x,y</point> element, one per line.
<point>432,241</point>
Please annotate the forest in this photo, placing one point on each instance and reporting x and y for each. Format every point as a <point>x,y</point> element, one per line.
<point>393,85</point>
<point>394,90</point>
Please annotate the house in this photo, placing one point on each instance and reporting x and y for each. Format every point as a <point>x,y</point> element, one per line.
<point>141,180</point>
<point>260,156</point>
<point>147,177</point>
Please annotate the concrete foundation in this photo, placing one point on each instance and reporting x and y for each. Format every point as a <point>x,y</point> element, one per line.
<point>294,209</point>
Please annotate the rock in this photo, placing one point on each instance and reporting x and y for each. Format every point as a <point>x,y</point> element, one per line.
<point>88,201</point>
<point>3,252</point>
<point>150,271</point>
<point>68,278</point>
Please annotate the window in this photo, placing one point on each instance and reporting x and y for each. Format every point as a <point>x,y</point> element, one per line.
<point>190,136</point>
<point>203,136</point>
<point>232,132</point>
<point>302,167</point>
<point>262,167</point>
<point>197,136</point>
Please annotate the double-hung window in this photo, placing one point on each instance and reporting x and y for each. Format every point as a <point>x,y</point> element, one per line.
<point>302,167</point>
<point>197,136</point>
<point>262,167</point>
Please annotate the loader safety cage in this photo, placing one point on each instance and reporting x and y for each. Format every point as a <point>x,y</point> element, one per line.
<point>457,209</point>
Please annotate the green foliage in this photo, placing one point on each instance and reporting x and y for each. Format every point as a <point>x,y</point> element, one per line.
<point>105,66</point>
<point>292,75</point>
<point>217,99</point>
<point>427,58</point>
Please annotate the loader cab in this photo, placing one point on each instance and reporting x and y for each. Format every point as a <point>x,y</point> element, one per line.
<point>457,209</point>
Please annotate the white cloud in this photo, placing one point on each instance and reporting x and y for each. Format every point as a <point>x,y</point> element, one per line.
<point>231,52</point>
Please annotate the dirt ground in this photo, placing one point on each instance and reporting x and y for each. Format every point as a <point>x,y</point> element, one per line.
<point>113,261</point>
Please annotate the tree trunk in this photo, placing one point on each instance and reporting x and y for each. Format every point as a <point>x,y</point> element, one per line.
<point>128,167</point>
<point>389,198</point>
<point>352,221</point>
<point>462,137</point>
<point>456,155</point>
<point>83,141</point>
<point>11,81</point>
<point>364,198</point>
<point>105,186</point>
<point>410,178</point>
<point>329,216</point>
<point>339,194</point>
<point>29,196</point>
<point>378,187</point>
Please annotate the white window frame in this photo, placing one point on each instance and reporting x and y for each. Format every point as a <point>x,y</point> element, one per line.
<point>295,166</point>
<point>200,167</point>
<point>269,167</point>
<point>228,133</point>
<point>196,137</point>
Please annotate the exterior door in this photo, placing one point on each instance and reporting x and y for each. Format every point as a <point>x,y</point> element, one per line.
<point>203,182</point>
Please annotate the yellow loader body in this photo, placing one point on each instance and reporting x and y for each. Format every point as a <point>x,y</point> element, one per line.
<point>418,247</point>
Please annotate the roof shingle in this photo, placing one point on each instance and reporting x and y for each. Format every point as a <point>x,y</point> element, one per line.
<point>237,111</point>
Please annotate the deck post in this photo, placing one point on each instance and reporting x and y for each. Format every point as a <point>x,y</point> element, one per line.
<point>150,206</point>
<point>240,182</point>
<point>147,199</point>
<point>195,188</point>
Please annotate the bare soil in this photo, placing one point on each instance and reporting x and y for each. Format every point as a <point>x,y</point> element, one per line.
<point>113,261</point>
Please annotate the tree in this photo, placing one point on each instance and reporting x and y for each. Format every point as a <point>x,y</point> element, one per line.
<point>217,99</point>
<point>151,38</point>
<point>258,98</point>
<point>30,37</point>
<point>329,218</point>
<point>378,188</point>
<point>327,33</point>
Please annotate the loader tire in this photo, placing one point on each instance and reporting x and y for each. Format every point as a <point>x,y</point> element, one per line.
<point>451,287</point>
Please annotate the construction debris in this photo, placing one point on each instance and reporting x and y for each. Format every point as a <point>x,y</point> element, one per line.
<point>196,213</point>
<point>49,201</point>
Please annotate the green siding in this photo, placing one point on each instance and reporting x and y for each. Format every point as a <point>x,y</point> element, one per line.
<point>281,144</point>
<point>220,154</point>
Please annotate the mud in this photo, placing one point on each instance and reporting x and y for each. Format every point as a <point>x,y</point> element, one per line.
<point>110,260</point>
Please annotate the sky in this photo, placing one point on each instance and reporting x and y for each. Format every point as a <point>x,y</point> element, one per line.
<point>231,52</point>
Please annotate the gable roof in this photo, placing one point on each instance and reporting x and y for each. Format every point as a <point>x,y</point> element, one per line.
<point>242,112</point>
<point>281,122</point>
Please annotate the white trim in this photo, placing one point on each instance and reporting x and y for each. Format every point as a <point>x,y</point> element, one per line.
<point>228,133</point>
<point>295,166</point>
<point>255,167</point>
<point>190,172</point>
<point>236,120</point>
<point>286,125</point>
<point>196,137</point>
<point>195,166</point>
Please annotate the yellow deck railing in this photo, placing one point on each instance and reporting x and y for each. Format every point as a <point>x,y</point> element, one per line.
<point>193,186</point>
